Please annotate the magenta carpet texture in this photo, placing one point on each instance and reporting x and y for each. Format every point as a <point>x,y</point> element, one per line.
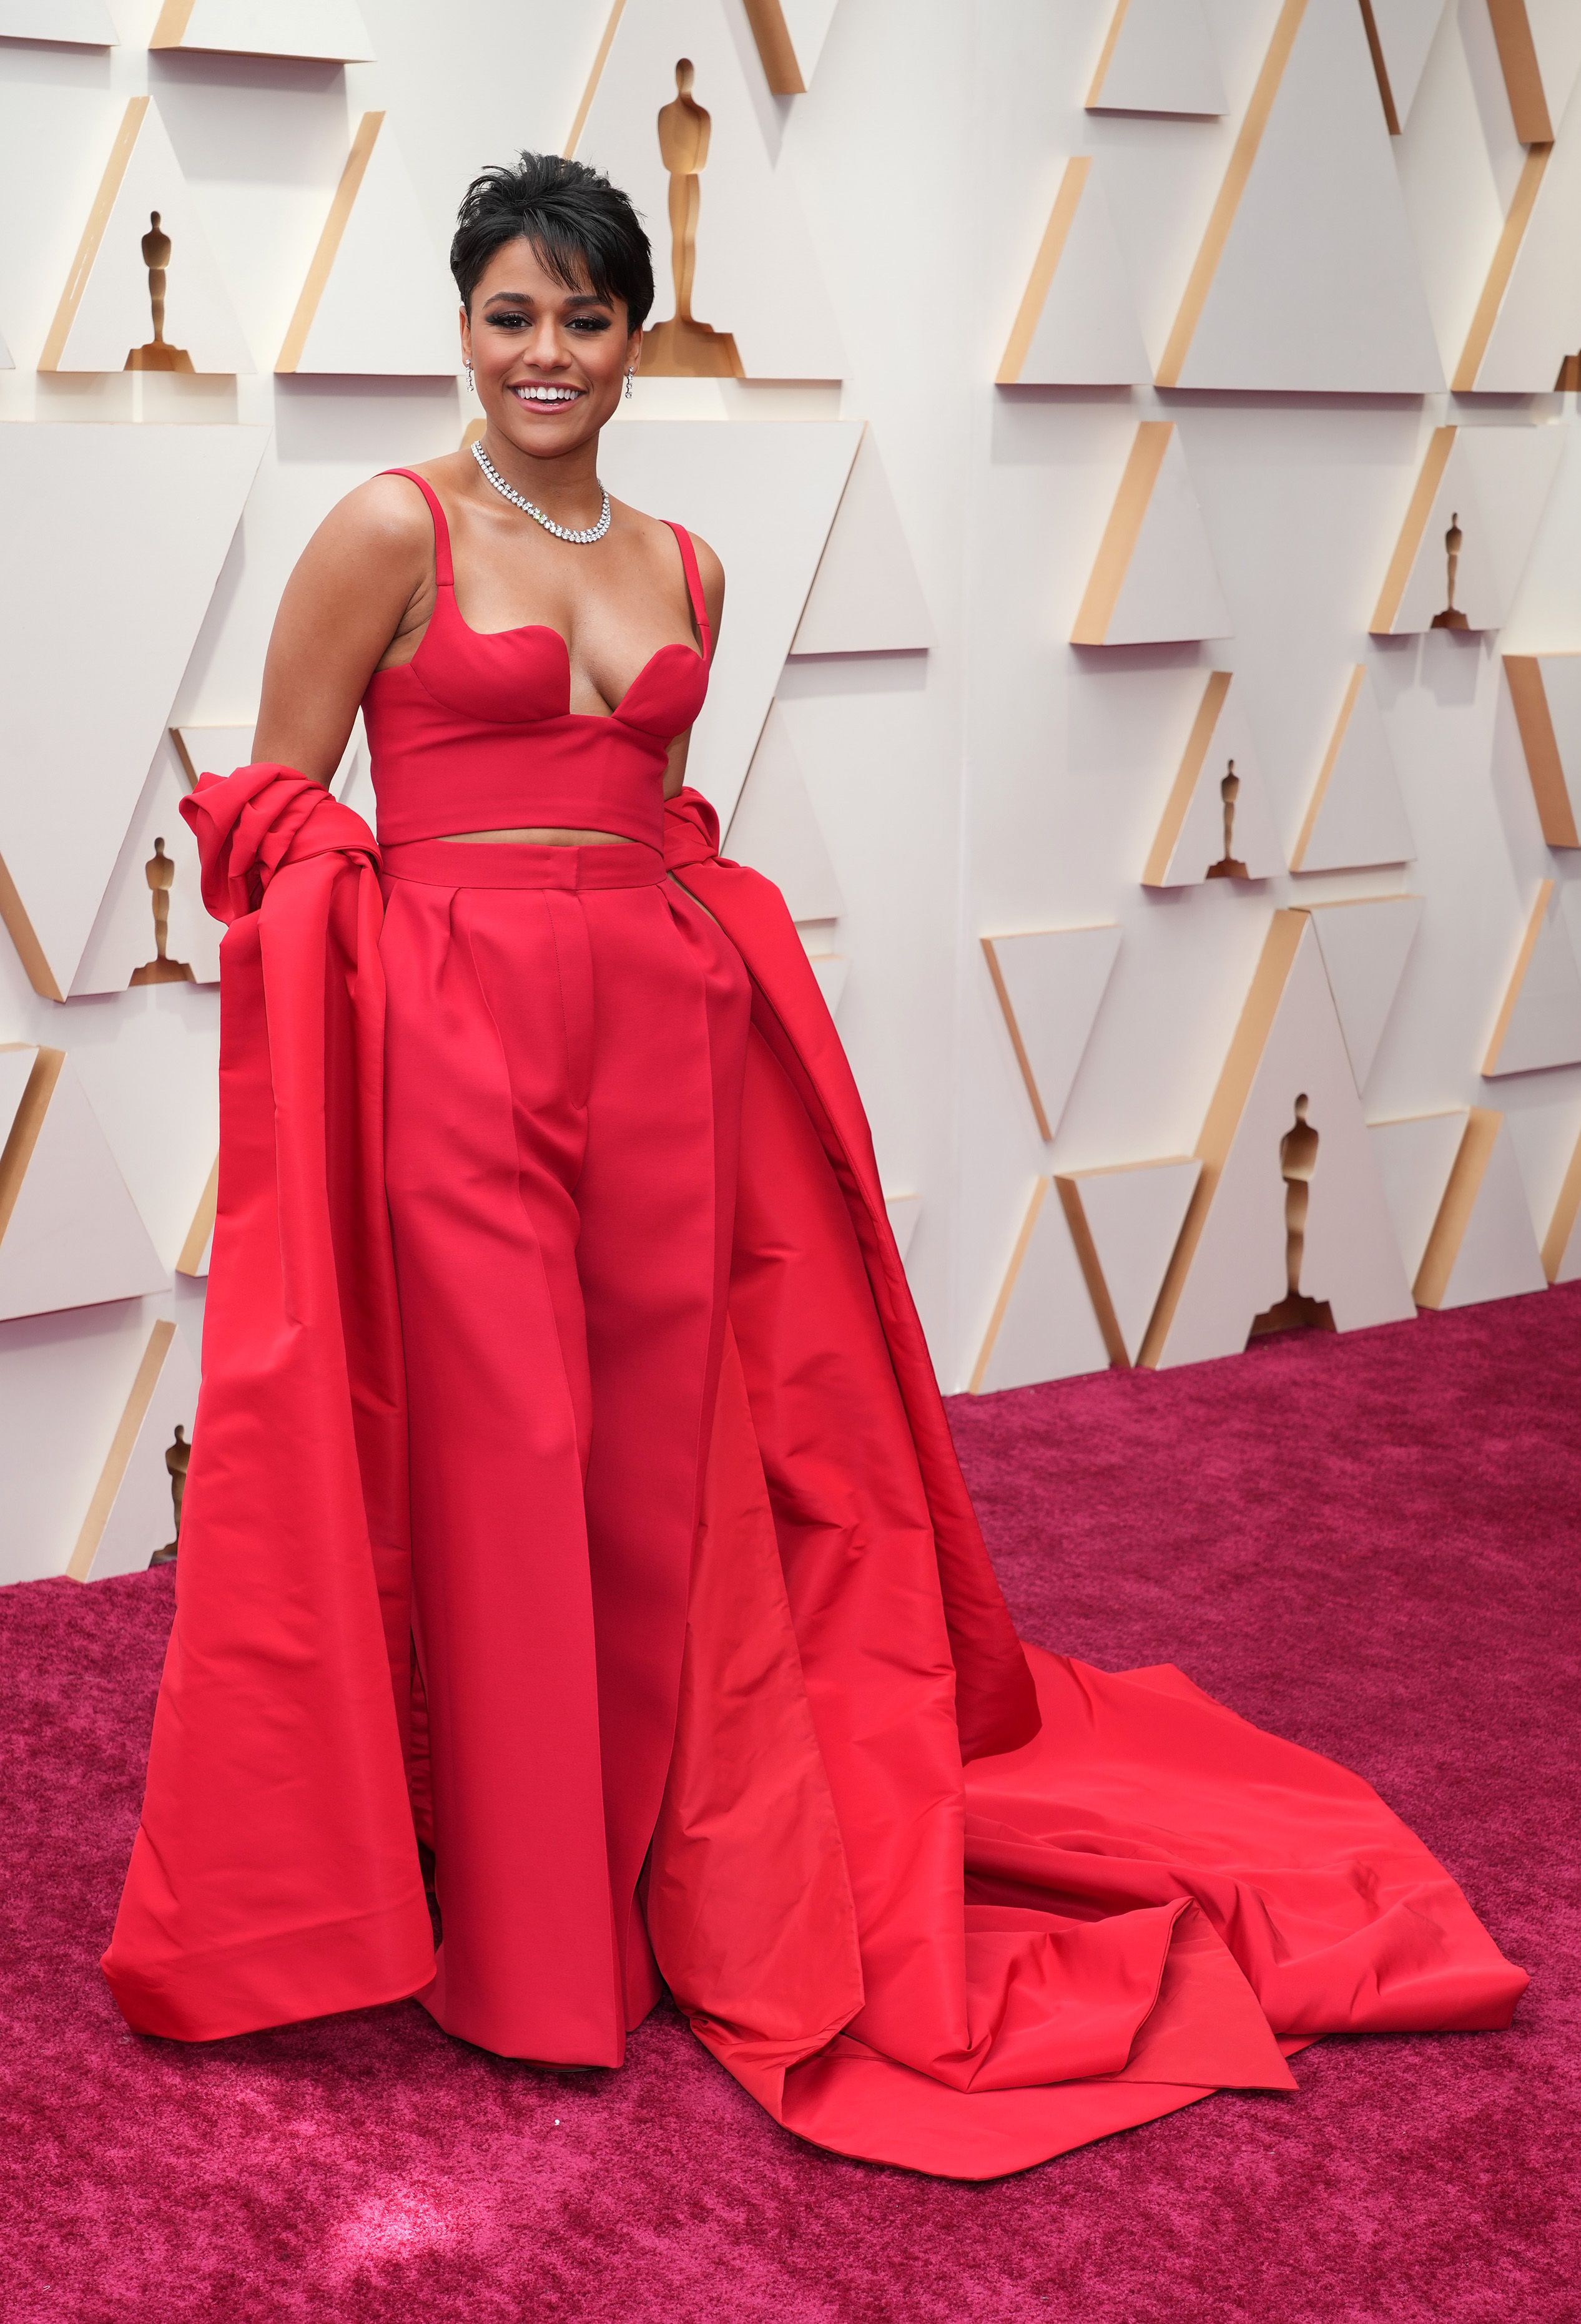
<point>1369,1544</point>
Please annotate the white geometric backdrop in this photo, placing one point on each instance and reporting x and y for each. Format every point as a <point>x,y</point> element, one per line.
<point>1121,381</point>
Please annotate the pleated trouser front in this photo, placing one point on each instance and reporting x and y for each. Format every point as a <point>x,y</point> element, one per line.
<point>566,1037</point>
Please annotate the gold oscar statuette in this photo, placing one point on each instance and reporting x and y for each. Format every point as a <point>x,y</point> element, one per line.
<point>1452,618</point>
<point>158,355</point>
<point>160,875</point>
<point>178,1453</point>
<point>1298,1163</point>
<point>683,348</point>
<point>1228,867</point>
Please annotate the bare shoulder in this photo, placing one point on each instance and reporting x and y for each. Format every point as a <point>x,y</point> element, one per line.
<point>381,526</point>
<point>386,516</point>
<point>710,568</point>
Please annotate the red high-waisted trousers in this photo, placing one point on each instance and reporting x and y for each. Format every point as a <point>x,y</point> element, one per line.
<point>565,1037</point>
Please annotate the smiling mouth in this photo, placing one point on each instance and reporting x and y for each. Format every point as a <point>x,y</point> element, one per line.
<point>546,399</point>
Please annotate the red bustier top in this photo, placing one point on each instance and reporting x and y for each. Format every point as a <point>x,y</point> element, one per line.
<point>475,732</point>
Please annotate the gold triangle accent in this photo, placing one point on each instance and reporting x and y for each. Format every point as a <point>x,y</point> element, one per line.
<point>98,217</point>
<point>1465,1177</point>
<point>1224,1113</point>
<point>19,929</point>
<point>80,1566</point>
<point>1223,217</point>
<point>28,1121</point>
<point>1502,266</point>
<point>1049,251</point>
<point>202,1225</point>
<point>594,77</point>
<point>340,209</point>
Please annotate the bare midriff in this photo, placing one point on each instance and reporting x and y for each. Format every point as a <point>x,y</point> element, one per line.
<point>545,838</point>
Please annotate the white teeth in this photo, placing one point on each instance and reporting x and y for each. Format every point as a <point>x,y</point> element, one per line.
<point>546,394</point>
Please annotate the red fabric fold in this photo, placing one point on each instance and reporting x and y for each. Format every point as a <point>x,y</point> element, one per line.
<point>275,1876</point>
<point>934,1899</point>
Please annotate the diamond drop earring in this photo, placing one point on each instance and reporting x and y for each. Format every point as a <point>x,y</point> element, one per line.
<point>628,385</point>
<point>467,369</point>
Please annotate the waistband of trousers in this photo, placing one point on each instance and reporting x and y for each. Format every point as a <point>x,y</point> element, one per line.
<point>522,863</point>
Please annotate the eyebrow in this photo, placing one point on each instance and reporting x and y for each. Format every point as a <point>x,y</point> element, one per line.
<point>525,298</point>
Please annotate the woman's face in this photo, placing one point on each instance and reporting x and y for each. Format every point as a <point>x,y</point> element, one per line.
<point>547,362</point>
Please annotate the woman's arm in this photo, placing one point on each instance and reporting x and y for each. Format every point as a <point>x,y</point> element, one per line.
<point>365,577</point>
<point>711,574</point>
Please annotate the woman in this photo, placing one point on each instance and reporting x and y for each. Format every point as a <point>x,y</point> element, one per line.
<point>674,1658</point>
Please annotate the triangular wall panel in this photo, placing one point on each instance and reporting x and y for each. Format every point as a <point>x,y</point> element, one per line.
<point>106,317</point>
<point>1050,984</point>
<point>1561,1249</point>
<point>1415,593</point>
<point>1231,1265</point>
<point>1124,1223</point>
<point>1401,32</point>
<point>1076,326</point>
<point>160,506</point>
<point>333,30</point>
<point>1523,305</point>
<point>71,23</point>
<point>378,299</point>
<point>158,856</point>
<point>1154,581</point>
<point>756,281</point>
<point>1527,318</point>
<point>131,1514</point>
<point>1043,1326</point>
<point>1546,692</point>
<point>865,596</point>
<point>764,497</point>
<point>1355,817</point>
<point>776,830</point>
<point>1216,823</point>
<point>1307,279</point>
<point>1365,942</point>
<point>1483,1245</point>
<point>1539,1024</point>
<point>1158,57</point>
<point>1415,1154</point>
<point>790,36</point>
<point>70,1235</point>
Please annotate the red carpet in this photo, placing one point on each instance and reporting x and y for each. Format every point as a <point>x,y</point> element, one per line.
<point>1369,1544</point>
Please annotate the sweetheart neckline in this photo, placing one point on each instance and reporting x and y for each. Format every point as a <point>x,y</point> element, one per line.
<point>523,628</point>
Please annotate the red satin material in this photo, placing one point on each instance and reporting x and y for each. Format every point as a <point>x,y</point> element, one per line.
<point>475,732</point>
<point>933,1900</point>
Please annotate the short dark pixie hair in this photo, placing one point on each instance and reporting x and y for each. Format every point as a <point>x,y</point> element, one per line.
<point>583,228</point>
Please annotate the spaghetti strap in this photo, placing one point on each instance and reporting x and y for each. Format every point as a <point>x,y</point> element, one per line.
<point>694,583</point>
<point>443,572</point>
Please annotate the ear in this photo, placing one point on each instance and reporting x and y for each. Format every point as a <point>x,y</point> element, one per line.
<point>466,336</point>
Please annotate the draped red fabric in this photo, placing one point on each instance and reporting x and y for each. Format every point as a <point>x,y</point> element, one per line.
<point>275,1873</point>
<point>934,1899</point>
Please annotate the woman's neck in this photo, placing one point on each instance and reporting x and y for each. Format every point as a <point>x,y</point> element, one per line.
<point>567,482</point>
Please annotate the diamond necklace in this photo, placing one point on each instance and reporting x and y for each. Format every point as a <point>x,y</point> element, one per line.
<point>588,533</point>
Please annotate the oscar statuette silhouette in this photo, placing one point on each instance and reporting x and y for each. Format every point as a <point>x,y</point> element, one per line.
<point>160,875</point>
<point>683,348</point>
<point>1228,867</point>
<point>177,1453</point>
<point>1298,1163</point>
<point>158,355</point>
<point>1452,618</point>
